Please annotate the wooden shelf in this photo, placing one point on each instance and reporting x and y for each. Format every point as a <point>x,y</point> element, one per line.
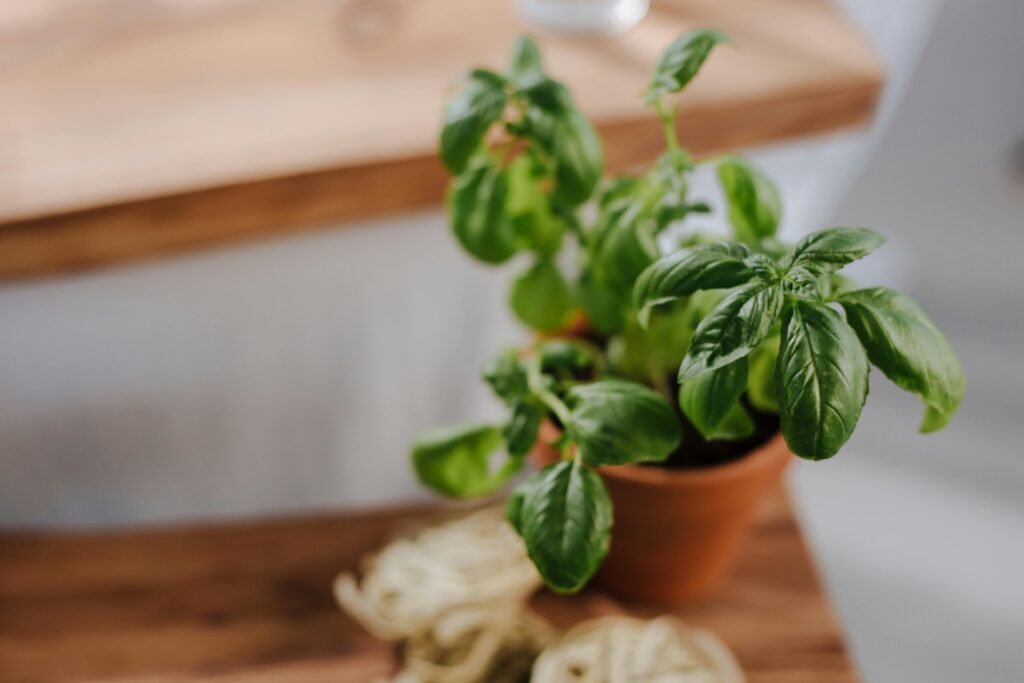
<point>130,130</point>
<point>252,603</point>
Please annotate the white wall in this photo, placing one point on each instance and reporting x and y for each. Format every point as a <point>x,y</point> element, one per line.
<point>282,375</point>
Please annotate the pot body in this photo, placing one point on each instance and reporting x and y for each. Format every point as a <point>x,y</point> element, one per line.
<point>677,533</point>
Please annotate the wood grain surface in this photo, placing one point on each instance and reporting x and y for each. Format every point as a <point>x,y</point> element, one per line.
<point>130,129</point>
<point>251,603</point>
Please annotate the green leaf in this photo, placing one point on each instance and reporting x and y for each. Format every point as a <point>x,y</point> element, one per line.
<point>761,387</point>
<point>546,94</point>
<point>577,151</point>
<point>904,344</point>
<point>564,515</point>
<point>614,422</point>
<point>514,502</point>
<point>732,329</point>
<point>471,112</point>
<point>541,298</point>
<point>822,375</point>
<point>605,310</point>
<point>709,400</point>
<point>614,190</point>
<point>521,431</point>
<point>529,208</point>
<point>836,284</point>
<point>651,354</point>
<point>829,250</point>
<point>507,376</point>
<point>456,461</point>
<point>752,198</point>
<point>526,61</point>
<point>803,282</point>
<point>683,272</point>
<point>564,134</point>
<point>737,425</point>
<point>621,250</point>
<point>477,205</point>
<point>681,61</point>
<point>566,356</point>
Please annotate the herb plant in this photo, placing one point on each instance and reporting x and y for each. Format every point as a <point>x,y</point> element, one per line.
<point>682,329</point>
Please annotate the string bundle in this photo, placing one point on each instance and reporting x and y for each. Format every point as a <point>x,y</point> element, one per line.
<point>454,595</point>
<point>621,649</point>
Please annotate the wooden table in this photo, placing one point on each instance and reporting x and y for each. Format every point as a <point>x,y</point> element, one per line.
<point>130,130</point>
<point>251,603</point>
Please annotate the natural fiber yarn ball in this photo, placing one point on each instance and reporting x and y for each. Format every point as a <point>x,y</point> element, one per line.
<point>628,650</point>
<point>502,651</point>
<point>476,565</point>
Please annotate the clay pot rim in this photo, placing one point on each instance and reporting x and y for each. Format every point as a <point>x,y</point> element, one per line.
<point>758,458</point>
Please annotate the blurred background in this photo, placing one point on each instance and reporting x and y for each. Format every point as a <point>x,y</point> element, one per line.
<point>292,373</point>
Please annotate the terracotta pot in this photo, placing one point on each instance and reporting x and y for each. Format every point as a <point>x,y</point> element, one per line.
<point>678,532</point>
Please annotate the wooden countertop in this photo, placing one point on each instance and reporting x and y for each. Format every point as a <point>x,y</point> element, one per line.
<point>130,130</point>
<point>251,603</point>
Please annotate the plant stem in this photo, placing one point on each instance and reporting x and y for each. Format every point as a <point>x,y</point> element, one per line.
<point>668,122</point>
<point>555,404</point>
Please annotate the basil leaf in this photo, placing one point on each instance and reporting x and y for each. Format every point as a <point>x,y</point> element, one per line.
<point>529,209</point>
<point>614,190</point>
<point>614,422</point>
<point>620,250</point>
<point>562,355</point>
<point>577,151</point>
<point>507,377</point>
<point>822,375</point>
<point>904,344</point>
<point>526,61</point>
<point>521,431</point>
<point>835,284</point>
<point>605,310</point>
<point>514,502</point>
<point>801,282</point>
<point>732,329</point>
<point>477,205</point>
<point>761,388</point>
<point>683,272</point>
<point>710,399</point>
<point>572,143</point>
<point>736,425</point>
<point>541,298</point>
<point>564,515</point>
<point>469,115</point>
<point>546,94</point>
<point>456,461</point>
<point>640,354</point>
<point>829,250</point>
<point>681,61</point>
<point>752,198</point>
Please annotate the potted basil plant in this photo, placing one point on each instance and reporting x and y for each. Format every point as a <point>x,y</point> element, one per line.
<point>673,371</point>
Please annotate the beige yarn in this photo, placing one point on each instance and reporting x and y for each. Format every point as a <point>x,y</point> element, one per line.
<point>627,650</point>
<point>456,595</point>
<point>500,652</point>
<point>475,566</point>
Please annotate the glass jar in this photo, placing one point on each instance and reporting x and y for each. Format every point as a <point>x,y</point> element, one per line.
<point>585,16</point>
